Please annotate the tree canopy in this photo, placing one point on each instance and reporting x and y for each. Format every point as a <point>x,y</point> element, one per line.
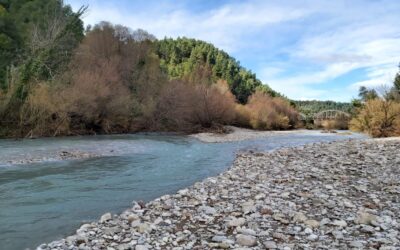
<point>38,36</point>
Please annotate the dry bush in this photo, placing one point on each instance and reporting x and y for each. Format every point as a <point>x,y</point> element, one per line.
<point>379,118</point>
<point>113,80</point>
<point>187,107</point>
<point>97,101</point>
<point>243,116</point>
<point>267,113</point>
<point>43,113</point>
<point>214,105</point>
<point>332,124</point>
<point>340,122</point>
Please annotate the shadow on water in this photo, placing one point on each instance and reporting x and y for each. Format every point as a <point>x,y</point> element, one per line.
<point>45,201</point>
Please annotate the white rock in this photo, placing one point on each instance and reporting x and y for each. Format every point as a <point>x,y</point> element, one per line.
<point>141,247</point>
<point>247,231</point>
<point>312,237</point>
<point>308,231</point>
<point>208,210</point>
<point>246,240</point>
<point>299,217</point>
<point>365,218</point>
<point>105,217</point>
<point>270,244</point>
<point>237,222</point>
<point>339,223</point>
<point>312,223</point>
<point>356,244</point>
<point>218,238</point>
<point>132,217</point>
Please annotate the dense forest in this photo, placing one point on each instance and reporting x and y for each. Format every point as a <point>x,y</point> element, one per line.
<point>58,78</point>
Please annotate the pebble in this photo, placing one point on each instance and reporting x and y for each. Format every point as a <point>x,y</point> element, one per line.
<point>246,240</point>
<point>140,247</point>
<point>356,244</point>
<point>237,222</point>
<point>339,223</point>
<point>105,217</point>
<point>312,223</point>
<point>270,244</point>
<point>365,218</point>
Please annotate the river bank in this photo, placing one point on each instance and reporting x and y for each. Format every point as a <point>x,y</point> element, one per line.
<point>239,134</point>
<point>234,134</point>
<point>325,195</point>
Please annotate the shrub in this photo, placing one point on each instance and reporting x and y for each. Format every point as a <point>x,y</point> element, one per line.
<point>43,113</point>
<point>243,116</point>
<point>332,124</point>
<point>97,101</point>
<point>379,118</point>
<point>266,112</point>
<point>187,107</point>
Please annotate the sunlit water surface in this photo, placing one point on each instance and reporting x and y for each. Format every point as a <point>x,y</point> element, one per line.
<point>42,202</point>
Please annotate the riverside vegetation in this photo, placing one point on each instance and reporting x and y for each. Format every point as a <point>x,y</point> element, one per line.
<point>58,78</point>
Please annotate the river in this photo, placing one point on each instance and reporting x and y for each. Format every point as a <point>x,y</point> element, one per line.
<point>49,199</point>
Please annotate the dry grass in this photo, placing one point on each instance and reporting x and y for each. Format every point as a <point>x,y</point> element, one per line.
<point>264,112</point>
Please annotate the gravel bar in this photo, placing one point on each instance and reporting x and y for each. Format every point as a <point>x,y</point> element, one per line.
<point>339,195</point>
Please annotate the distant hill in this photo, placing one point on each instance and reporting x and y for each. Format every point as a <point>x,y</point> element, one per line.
<point>312,107</point>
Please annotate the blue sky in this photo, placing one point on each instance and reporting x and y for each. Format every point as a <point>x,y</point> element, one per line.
<point>315,49</point>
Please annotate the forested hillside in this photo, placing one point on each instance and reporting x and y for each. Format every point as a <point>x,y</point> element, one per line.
<point>200,61</point>
<point>57,78</point>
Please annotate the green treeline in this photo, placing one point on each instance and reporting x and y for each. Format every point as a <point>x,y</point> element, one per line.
<point>310,108</point>
<point>56,78</point>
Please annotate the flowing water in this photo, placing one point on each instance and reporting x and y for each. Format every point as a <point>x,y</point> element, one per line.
<point>48,200</point>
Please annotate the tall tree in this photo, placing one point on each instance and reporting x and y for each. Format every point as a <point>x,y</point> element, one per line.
<point>397,81</point>
<point>367,94</point>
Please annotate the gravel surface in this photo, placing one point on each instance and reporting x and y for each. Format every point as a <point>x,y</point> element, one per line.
<point>56,156</point>
<point>239,134</point>
<point>339,195</point>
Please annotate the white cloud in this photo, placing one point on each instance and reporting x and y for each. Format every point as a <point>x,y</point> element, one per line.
<point>226,26</point>
<point>371,44</point>
<point>329,40</point>
<point>378,76</point>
